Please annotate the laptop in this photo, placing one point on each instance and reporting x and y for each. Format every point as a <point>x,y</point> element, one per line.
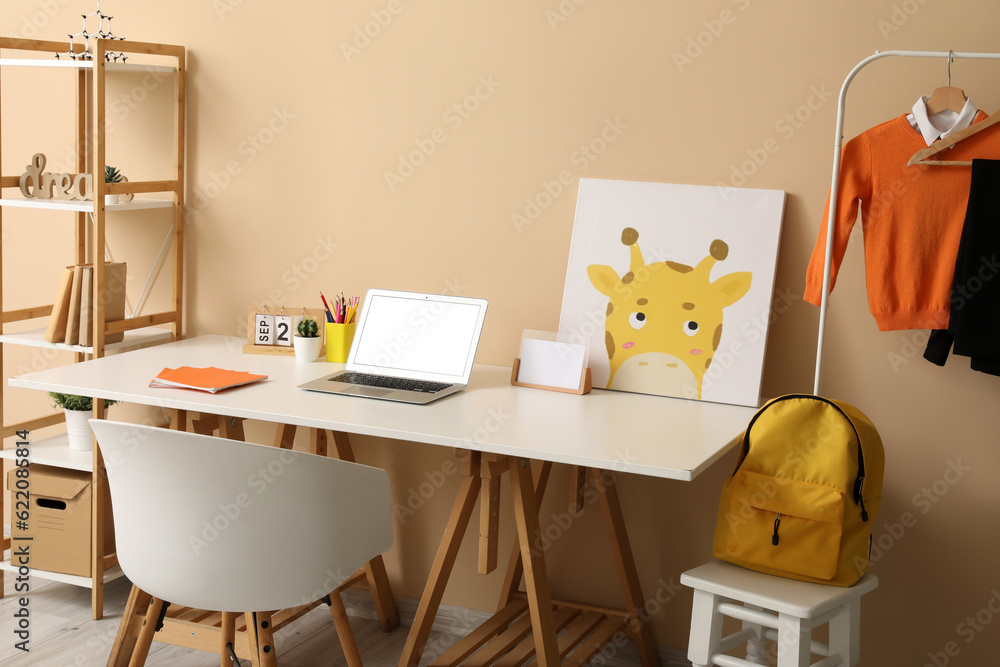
<point>409,347</point>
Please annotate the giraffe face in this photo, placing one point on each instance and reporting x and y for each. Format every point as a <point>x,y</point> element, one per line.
<point>667,308</point>
<point>658,311</point>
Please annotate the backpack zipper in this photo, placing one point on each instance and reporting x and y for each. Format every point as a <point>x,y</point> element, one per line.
<point>777,522</point>
<point>859,480</point>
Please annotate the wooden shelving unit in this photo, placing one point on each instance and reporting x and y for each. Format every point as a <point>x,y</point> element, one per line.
<point>89,244</point>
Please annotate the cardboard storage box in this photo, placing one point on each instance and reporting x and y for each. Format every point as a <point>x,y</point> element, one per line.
<point>59,521</point>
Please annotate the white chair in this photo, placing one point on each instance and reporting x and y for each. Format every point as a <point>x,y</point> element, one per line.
<point>783,610</point>
<point>213,524</point>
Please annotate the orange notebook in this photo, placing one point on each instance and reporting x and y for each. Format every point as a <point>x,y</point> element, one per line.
<point>203,379</point>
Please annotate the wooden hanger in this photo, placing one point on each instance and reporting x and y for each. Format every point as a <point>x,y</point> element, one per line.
<point>947,98</point>
<point>940,100</point>
<point>920,157</point>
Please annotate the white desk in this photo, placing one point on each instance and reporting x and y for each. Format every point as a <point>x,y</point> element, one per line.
<point>504,425</point>
<point>644,435</point>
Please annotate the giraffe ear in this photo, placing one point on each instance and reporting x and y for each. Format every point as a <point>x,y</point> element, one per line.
<point>604,278</point>
<point>732,287</point>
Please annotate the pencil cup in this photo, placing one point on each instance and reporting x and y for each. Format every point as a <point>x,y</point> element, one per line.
<point>338,341</point>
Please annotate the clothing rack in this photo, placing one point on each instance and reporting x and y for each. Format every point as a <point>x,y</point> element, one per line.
<point>837,150</point>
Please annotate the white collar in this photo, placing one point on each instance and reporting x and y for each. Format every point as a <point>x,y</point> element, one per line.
<point>944,122</point>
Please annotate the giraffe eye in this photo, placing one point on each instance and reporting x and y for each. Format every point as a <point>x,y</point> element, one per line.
<point>637,320</point>
<point>691,327</point>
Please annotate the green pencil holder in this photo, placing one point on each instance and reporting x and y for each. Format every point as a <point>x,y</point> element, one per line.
<point>338,341</point>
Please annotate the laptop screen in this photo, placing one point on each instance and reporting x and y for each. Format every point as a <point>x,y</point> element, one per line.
<point>412,334</point>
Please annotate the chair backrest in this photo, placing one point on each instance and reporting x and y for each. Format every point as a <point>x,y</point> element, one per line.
<point>224,525</point>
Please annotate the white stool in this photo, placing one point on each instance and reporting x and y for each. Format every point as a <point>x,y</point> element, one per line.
<point>774,608</point>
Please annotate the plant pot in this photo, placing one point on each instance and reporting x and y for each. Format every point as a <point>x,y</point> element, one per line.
<point>81,436</point>
<point>112,199</point>
<point>306,349</point>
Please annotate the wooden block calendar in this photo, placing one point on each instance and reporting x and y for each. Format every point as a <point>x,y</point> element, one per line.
<point>270,331</point>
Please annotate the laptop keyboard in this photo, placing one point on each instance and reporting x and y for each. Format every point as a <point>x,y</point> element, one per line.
<point>387,382</point>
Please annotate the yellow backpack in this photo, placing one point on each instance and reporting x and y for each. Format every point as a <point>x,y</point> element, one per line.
<point>805,492</point>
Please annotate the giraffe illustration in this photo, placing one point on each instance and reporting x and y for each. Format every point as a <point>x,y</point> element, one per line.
<point>664,320</point>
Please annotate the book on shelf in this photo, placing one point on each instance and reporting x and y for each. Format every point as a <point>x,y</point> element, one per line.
<point>86,305</point>
<point>56,330</point>
<point>114,301</point>
<point>209,379</point>
<point>114,298</point>
<point>73,315</point>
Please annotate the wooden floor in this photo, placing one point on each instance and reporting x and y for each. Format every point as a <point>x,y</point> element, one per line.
<point>63,634</point>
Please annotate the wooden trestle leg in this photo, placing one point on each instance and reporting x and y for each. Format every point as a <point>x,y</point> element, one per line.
<point>530,627</point>
<point>607,494</point>
<point>536,580</point>
<point>430,600</point>
<point>625,564</point>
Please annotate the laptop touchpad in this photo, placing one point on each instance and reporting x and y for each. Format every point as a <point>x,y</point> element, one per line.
<point>377,392</point>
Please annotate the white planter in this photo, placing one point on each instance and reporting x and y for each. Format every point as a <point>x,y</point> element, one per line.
<point>112,199</point>
<point>81,437</point>
<point>306,349</point>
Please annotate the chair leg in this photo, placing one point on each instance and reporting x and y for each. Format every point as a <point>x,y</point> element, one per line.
<point>228,628</point>
<point>344,632</point>
<point>265,639</point>
<point>794,641</point>
<point>124,646</point>
<point>706,628</point>
<point>250,621</point>
<point>146,633</point>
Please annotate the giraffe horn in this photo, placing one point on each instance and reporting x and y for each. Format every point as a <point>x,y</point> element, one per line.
<point>630,237</point>
<point>717,252</point>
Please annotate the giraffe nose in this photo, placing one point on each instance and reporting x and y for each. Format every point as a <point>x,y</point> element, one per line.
<point>629,345</point>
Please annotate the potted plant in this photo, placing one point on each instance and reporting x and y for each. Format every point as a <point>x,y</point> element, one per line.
<point>78,410</point>
<point>112,175</point>
<point>306,340</point>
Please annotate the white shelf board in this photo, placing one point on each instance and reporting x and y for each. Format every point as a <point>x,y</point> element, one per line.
<point>54,451</point>
<point>36,338</point>
<point>109,575</point>
<point>85,206</point>
<point>84,64</point>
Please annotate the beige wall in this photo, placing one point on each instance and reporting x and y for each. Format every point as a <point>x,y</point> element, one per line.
<point>309,207</point>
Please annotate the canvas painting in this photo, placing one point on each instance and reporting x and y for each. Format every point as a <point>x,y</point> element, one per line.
<point>672,285</point>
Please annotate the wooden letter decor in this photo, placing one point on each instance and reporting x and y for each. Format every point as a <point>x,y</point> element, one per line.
<point>35,183</point>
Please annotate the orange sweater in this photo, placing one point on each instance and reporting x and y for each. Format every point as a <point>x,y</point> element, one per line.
<point>912,219</point>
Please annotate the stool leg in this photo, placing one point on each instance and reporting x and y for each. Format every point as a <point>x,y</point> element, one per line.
<point>794,641</point>
<point>706,628</point>
<point>845,633</point>
<point>756,646</point>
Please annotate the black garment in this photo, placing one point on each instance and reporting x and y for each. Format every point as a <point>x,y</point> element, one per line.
<point>974,325</point>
